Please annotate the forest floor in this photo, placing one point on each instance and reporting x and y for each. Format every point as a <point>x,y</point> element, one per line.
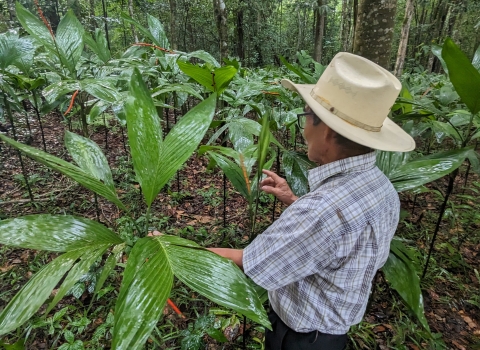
<point>192,206</point>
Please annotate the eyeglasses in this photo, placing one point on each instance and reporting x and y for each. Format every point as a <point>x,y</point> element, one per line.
<point>302,119</point>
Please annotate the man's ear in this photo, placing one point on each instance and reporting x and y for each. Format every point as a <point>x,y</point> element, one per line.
<point>329,133</point>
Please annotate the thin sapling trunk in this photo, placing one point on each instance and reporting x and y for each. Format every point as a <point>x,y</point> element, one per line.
<point>37,112</point>
<point>24,171</point>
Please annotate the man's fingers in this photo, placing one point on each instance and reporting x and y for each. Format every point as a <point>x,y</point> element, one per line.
<point>271,190</point>
<point>274,176</point>
<point>267,182</point>
<point>155,233</point>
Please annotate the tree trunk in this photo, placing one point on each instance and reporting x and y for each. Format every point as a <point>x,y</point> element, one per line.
<point>12,13</point>
<point>105,17</point>
<point>374,31</point>
<point>299,38</point>
<point>130,12</point>
<point>239,33</point>
<point>346,26</point>
<point>173,20</point>
<point>319,31</point>
<point>220,12</point>
<point>402,47</point>
<point>92,16</point>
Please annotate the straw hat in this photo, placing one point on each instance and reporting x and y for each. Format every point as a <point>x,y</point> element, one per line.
<point>353,97</point>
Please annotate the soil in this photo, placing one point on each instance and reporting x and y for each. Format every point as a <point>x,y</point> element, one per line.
<point>194,199</point>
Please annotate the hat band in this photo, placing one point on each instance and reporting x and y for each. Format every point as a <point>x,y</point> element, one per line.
<point>343,116</point>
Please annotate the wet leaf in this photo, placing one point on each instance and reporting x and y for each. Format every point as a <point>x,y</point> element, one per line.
<point>463,75</point>
<point>55,232</point>
<point>216,278</point>
<point>401,274</point>
<point>29,299</point>
<point>144,136</point>
<point>406,174</point>
<point>67,169</point>
<point>146,285</point>
<point>89,157</point>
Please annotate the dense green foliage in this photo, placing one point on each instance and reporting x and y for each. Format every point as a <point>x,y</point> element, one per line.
<point>246,122</point>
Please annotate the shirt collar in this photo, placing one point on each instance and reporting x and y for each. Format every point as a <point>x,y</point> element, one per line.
<point>318,175</point>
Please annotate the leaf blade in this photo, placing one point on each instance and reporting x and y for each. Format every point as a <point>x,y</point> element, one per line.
<point>144,136</point>
<point>29,299</point>
<point>67,169</point>
<point>58,233</point>
<point>143,294</point>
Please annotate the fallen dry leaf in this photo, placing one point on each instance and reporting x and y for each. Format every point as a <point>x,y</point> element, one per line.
<point>6,268</point>
<point>458,345</point>
<point>469,321</point>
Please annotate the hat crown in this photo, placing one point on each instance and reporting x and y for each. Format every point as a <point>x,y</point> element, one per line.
<point>357,90</point>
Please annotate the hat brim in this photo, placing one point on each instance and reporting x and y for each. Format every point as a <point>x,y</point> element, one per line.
<point>391,137</point>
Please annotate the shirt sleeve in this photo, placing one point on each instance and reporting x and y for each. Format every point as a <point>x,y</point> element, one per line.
<point>295,246</point>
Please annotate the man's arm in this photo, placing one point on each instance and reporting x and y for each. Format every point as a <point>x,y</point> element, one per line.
<point>236,255</point>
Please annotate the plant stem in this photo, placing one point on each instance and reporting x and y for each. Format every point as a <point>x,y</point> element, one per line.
<point>224,200</point>
<point>440,217</point>
<point>83,115</point>
<point>414,202</point>
<point>37,112</point>
<point>24,104</point>
<point>106,132</point>
<point>123,140</point>
<point>147,220</point>
<point>24,171</point>
<point>469,166</point>
<point>97,209</point>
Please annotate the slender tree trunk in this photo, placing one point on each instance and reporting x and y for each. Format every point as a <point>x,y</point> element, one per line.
<point>12,13</point>
<point>220,12</point>
<point>300,34</point>
<point>319,31</point>
<point>346,26</point>
<point>239,33</point>
<point>374,31</point>
<point>130,11</point>
<point>402,47</point>
<point>173,20</point>
<point>105,19</point>
<point>92,16</point>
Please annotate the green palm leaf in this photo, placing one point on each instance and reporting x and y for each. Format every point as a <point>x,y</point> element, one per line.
<point>184,139</point>
<point>29,299</point>
<point>146,286</point>
<point>55,233</point>
<point>144,136</point>
<point>69,39</point>
<point>400,272</point>
<point>216,278</point>
<point>67,169</point>
<point>406,175</point>
<point>89,157</point>
<point>233,172</point>
<point>80,268</point>
<point>34,27</point>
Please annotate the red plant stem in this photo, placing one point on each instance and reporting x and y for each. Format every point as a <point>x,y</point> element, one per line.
<point>154,46</point>
<point>71,103</point>
<point>175,308</point>
<point>40,13</point>
<point>270,93</point>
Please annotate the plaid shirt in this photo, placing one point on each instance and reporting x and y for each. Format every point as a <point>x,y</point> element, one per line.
<point>319,258</point>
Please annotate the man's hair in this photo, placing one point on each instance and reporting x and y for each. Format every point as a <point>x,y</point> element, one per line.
<point>347,145</point>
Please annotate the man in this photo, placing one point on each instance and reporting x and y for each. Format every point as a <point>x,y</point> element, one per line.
<point>318,260</point>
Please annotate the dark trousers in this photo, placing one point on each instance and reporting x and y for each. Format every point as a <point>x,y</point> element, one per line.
<point>284,338</point>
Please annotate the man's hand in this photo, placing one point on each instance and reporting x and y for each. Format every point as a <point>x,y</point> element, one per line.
<point>277,186</point>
